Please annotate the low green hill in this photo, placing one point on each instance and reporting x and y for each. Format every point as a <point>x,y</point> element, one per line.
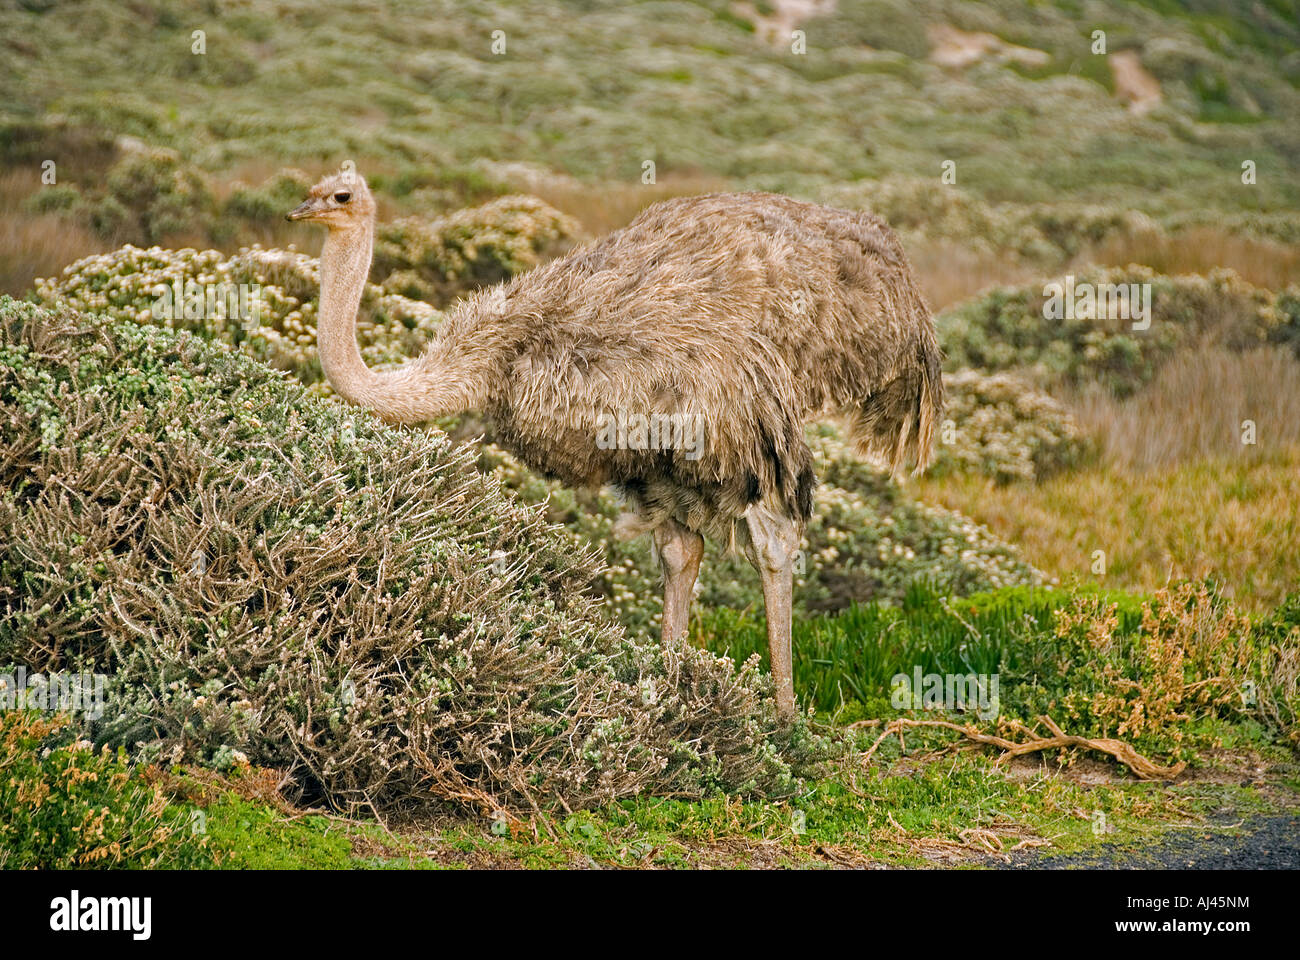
<point>595,88</point>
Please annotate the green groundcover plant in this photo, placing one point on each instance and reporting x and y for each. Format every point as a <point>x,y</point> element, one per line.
<point>1157,671</point>
<point>67,805</point>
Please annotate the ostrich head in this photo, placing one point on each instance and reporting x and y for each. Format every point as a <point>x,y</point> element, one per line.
<point>341,201</point>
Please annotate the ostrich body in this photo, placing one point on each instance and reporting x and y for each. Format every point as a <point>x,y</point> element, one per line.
<point>735,317</point>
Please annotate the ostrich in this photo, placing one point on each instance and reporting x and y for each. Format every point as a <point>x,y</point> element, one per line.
<point>677,359</point>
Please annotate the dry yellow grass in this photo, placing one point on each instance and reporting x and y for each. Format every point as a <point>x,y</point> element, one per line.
<point>33,245</point>
<point>950,272</point>
<point>1175,492</point>
<point>604,207</point>
<point>1199,406</point>
<point>1236,519</point>
<point>1265,263</point>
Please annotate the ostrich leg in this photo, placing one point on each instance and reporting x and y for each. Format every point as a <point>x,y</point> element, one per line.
<point>680,551</point>
<point>775,539</point>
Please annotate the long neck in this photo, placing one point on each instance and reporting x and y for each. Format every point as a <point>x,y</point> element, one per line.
<point>419,389</point>
<point>344,266</point>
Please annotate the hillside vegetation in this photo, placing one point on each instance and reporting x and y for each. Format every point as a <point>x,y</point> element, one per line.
<point>335,643</point>
<point>1048,159</point>
<point>697,90</point>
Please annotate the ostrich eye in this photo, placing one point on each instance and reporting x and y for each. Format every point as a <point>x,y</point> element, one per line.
<point>343,197</point>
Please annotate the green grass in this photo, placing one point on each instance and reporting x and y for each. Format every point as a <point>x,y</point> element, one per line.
<point>847,660</point>
<point>900,812</point>
<point>246,835</point>
<point>918,802</point>
<point>1173,675</point>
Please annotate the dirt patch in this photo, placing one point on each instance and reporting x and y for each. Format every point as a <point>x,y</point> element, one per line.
<point>785,17</point>
<point>1133,84</point>
<point>957,49</point>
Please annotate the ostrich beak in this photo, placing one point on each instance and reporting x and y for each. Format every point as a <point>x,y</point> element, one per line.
<point>301,211</point>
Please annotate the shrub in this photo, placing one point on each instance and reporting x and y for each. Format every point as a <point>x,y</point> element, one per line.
<point>276,575</point>
<point>127,283</point>
<point>1191,659</point>
<point>1001,427</point>
<point>440,259</point>
<point>1005,330</point>
<point>1277,640</point>
<point>278,194</point>
<point>146,195</point>
<point>57,198</point>
<point>150,194</point>
<point>865,101</point>
<point>64,805</point>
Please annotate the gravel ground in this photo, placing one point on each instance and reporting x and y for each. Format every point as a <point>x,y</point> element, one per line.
<point>1270,842</point>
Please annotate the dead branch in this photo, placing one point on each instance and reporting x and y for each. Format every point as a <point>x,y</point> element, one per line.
<point>1121,751</point>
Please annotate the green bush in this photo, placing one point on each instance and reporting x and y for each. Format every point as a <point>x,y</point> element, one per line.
<point>146,195</point>
<point>284,292</point>
<point>56,198</point>
<point>441,259</point>
<point>274,575</point>
<point>64,805</point>
<point>1002,428</point>
<point>151,194</point>
<point>1006,330</point>
<point>1277,639</point>
<point>269,201</point>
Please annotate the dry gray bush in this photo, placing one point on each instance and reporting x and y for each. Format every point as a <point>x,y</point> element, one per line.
<point>272,575</point>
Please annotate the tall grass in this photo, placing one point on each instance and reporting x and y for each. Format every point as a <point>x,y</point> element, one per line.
<point>1197,407</point>
<point>852,656</point>
<point>1261,261</point>
<point>1231,518</point>
<point>1157,671</point>
<point>35,244</point>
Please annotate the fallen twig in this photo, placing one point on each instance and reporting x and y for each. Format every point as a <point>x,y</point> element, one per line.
<point>1121,751</point>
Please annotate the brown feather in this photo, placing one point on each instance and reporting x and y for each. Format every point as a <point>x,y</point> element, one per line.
<point>755,312</point>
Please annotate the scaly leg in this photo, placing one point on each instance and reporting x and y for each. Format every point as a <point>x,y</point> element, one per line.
<point>680,551</point>
<point>775,538</point>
